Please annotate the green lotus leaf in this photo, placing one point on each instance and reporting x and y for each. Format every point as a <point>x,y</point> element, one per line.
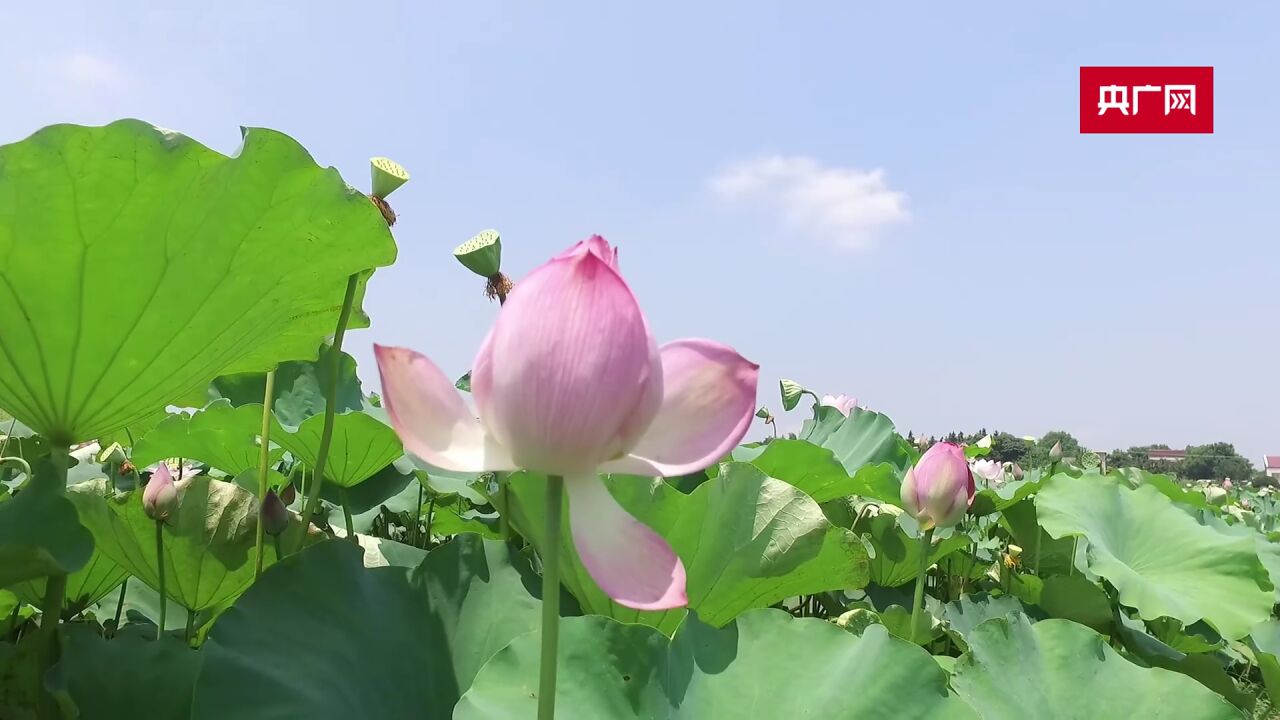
<point>970,611</point>
<point>85,586</point>
<point>862,438</point>
<point>208,545</point>
<point>1160,560</point>
<point>1060,669</point>
<point>1202,666</point>
<point>220,435</point>
<point>1266,641</point>
<point>766,664</point>
<point>817,472</point>
<point>361,446</point>
<point>299,389</point>
<point>990,500</point>
<point>177,265</point>
<point>119,677</point>
<point>321,635</point>
<point>897,556</point>
<point>746,539</point>
<point>1074,597</point>
<point>40,534</point>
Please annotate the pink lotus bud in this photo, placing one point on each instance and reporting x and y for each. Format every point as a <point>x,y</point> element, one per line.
<point>938,490</point>
<point>160,498</point>
<point>570,382</point>
<point>843,403</point>
<point>1017,472</point>
<point>1226,484</point>
<point>275,517</point>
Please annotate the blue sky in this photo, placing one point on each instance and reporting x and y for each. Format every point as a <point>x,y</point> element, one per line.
<point>890,201</point>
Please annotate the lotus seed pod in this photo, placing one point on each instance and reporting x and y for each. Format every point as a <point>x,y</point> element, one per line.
<point>275,518</point>
<point>481,254</point>
<point>113,455</point>
<point>791,392</point>
<point>387,176</point>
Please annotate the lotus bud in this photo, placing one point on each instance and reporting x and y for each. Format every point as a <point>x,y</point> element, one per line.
<point>160,498</point>
<point>1055,452</point>
<point>939,489</point>
<point>1017,472</point>
<point>275,518</point>
<point>1226,484</point>
<point>843,403</point>
<point>791,392</point>
<point>988,470</point>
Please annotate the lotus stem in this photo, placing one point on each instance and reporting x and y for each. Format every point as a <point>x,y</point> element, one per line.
<point>417,518</point>
<point>55,590</point>
<point>160,576</point>
<point>330,401</point>
<point>191,625</point>
<point>346,514</point>
<point>504,523</point>
<point>431,513</point>
<point>917,605</point>
<point>120,606</point>
<point>18,461</point>
<point>264,459</point>
<point>550,599</point>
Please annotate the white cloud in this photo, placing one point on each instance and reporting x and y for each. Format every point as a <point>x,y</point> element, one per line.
<point>88,70</point>
<point>844,206</point>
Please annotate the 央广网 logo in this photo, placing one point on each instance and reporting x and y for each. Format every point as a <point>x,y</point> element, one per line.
<point>1146,99</point>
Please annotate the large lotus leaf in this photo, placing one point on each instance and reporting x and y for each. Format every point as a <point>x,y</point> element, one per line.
<point>85,586</point>
<point>1160,560</point>
<point>746,539</point>
<point>862,438</point>
<point>970,611</point>
<point>220,435</point>
<point>118,678</point>
<point>175,264</point>
<point>361,446</point>
<point>208,544</point>
<point>1204,667</point>
<point>1041,552</point>
<point>994,499</point>
<point>1135,477</point>
<point>40,534</point>
<point>816,471</point>
<point>766,666</point>
<point>897,551</point>
<point>322,636</point>
<point>1062,670</point>
<point>299,388</point>
<point>1266,640</point>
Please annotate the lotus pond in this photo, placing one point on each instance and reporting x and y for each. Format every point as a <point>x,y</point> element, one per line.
<point>206,512</point>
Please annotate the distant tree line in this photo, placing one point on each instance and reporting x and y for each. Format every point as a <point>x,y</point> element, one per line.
<point>1214,461</point>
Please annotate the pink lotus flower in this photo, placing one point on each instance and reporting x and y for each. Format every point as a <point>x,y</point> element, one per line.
<point>988,470</point>
<point>843,403</point>
<point>160,498</point>
<point>570,382</point>
<point>938,490</point>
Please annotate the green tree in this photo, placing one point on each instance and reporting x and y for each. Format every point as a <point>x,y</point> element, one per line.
<point>1216,461</point>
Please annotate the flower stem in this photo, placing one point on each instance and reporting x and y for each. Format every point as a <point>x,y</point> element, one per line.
<point>330,401</point>
<point>160,574</point>
<point>346,514</point>
<point>120,606</point>
<point>55,591</point>
<point>431,513</point>
<point>417,518</point>
<point>264,459</point>
<point>917,606</point>
<point>550,599</point>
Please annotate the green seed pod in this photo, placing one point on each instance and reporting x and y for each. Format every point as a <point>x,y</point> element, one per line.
<point>387,176</point>
<point>481,254</point>
<point>791,392</point>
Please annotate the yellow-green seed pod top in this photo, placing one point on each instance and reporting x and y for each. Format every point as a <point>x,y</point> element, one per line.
<point>387,176</point>
<point>481,254</point>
